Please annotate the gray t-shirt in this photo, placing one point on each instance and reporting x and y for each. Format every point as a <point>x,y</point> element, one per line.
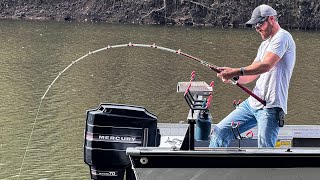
<point>273,86</point>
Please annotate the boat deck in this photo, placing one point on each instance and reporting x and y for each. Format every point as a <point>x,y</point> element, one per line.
<point>172,134</point>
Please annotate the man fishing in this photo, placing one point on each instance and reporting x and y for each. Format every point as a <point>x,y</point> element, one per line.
<point>273,66</point>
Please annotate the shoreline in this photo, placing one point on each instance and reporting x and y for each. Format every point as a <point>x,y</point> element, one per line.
<point>301,15</point>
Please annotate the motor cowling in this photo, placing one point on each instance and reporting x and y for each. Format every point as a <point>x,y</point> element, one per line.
<point>110,130</point>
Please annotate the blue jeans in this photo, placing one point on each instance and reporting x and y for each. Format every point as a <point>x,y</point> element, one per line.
<point>266,121</point>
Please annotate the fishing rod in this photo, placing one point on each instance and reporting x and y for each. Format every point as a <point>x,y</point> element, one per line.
<point>211,66</point>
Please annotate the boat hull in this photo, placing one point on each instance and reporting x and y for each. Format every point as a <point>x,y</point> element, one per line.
<point>227,173</point>
<point>226,163</point>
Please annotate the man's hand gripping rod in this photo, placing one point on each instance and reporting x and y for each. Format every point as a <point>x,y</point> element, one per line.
<point>235,81</point>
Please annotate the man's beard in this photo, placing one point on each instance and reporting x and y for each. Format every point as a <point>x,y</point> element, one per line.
<point>268,31</point>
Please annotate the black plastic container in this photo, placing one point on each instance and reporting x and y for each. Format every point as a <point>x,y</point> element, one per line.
<point>110,129</point>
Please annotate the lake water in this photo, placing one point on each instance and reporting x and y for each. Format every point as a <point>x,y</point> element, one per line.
<point>33,53</point>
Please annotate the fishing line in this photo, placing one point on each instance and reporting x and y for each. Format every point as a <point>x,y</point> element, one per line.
<point>179,52</point>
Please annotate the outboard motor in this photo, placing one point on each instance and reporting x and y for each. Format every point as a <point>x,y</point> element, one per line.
<point>110,129</point>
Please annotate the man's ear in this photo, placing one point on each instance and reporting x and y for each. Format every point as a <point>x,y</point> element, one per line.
<point>272,18</point>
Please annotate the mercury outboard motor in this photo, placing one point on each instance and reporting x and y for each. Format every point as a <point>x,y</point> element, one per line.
<point>110,129</point>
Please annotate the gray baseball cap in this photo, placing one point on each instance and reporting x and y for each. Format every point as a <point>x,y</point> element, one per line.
<point>259,13</point>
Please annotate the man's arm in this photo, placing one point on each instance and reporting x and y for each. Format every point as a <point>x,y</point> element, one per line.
<point>257,68</point>
<point>252,71</point>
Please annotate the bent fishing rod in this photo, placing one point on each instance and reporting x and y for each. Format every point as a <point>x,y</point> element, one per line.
<point>211,66</point>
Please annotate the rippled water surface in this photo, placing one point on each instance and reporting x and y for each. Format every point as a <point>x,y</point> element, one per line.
<point>33,53</point>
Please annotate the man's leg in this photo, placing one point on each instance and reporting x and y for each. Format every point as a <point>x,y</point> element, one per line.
<point>268,126</point>
<point>222,133</point>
